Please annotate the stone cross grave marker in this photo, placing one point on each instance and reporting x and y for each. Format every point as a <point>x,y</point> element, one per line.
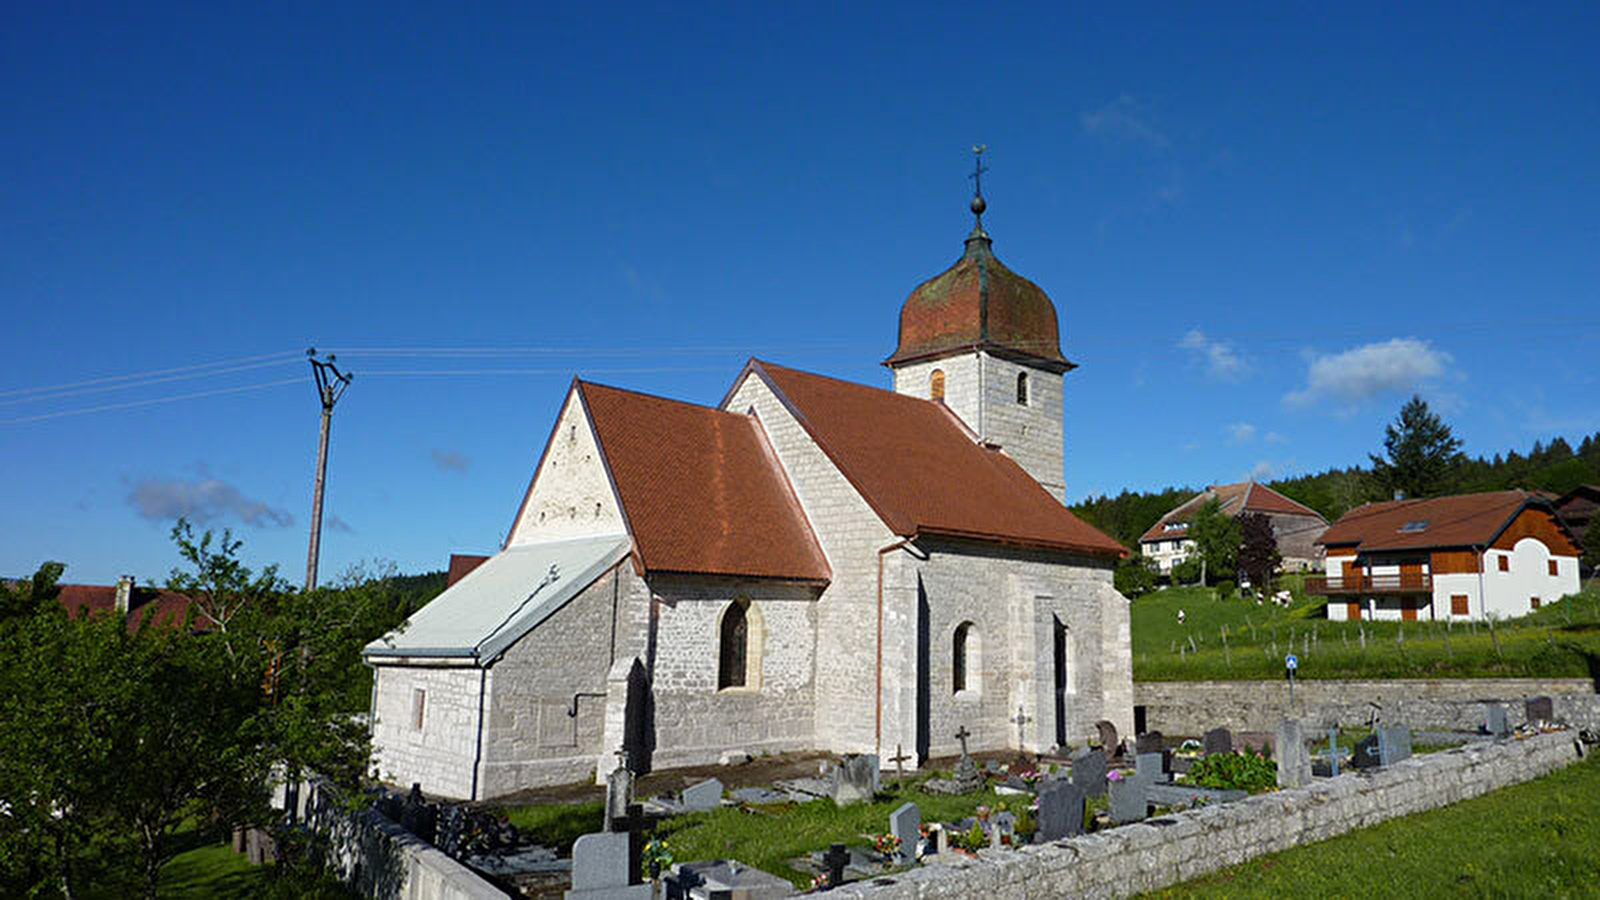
<point>961,735</point>
<point>1128,800</point>
<point>1539,709</point>
<point>1394,744</point>
<point>1109,742</point>
<point>1218,740</point>
<point>1060,811</point>
<point>1494,720</point>
<point>905,823</point>
<point>705,795</point>
<point>836,859</point>
<point>1089,772</point>
<point>899,759</point>
<point>1294,763</point>
<point>1021,721</point>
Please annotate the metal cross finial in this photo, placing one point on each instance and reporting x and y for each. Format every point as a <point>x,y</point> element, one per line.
<point>978,168</point>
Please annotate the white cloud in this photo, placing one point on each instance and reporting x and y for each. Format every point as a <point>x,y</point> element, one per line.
<point>1219,357</point>
<point>1262,470</point>
<point>450,460</point>
<point>1274,437</point>
<point>1241,432</point>
<point>1393,366</point>
<point>1122,121</point>
<point>202,501</point>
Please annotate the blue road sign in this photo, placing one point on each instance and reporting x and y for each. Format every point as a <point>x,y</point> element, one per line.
<point>1291,662</point>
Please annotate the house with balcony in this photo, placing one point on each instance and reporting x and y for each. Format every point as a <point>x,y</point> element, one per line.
<point>1295,526</point>
<point>1469,556</point>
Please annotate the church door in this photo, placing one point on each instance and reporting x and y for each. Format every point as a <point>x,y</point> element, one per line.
<point>1060,654</point>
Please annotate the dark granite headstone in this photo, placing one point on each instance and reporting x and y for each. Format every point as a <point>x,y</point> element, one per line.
<point>1365,755</point>
<point>905,823</point>
<point>1153,766</point>
<point>1129,802</point>
<point>1494,720</point>
<point>1540,709</point>
<point>1060,811</point>
<point>1218,740</point>
<point>1149,742</point>
<point>1089,773</point>
<point>1394,744</point>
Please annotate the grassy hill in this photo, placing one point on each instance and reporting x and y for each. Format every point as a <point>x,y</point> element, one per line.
<point>1237,638</point>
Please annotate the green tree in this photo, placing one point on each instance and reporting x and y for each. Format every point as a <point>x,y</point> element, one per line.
<point>1216,538</point>
<point>1134,575</point>
<point>1591,548</point>
<point>1258,549</point>
<point>1421,455</point>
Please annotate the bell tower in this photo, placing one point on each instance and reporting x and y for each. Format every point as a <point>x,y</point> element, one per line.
<point>984,341</point>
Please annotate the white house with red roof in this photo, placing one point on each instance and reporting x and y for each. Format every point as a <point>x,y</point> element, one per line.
<point>1468,556</point>
<point>810,565</point>
<point>1295,525</point>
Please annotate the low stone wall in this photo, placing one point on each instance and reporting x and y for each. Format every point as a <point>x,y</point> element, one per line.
<point>380,859</point>
<point>1194,707</point>
<point>1160,852</point>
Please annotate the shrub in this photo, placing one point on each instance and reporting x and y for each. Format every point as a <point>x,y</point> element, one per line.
<point>1186,572</point>
<point>1243,771</point>
<point>1225,589</point>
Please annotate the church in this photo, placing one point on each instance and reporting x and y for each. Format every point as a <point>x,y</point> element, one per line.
<point>810,565</point>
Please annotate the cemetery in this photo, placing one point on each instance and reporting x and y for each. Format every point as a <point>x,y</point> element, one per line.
<point>1126,815</point>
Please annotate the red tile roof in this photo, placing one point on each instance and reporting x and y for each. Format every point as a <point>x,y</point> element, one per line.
<point>1242,497</point>
<point>167,607</point>
<point>1463,520</point>
<point>920,469</point>
<point>461,565</point>
<point>700,490</point>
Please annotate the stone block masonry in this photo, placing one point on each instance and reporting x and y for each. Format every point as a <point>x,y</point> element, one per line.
<point>1195,707</point>
<point>1145,857</point>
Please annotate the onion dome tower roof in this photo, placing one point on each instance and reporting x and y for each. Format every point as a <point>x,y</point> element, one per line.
<point>979,304</point>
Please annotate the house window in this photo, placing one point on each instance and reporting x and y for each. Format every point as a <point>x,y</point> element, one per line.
<point>1458,605</point>
<point>419,706</point>
<point>936,385</point>
<point>1533,602</point>
<point>1554,569</point>
<point>964,652</point>
<point>1505,563</point>
<point>1022,388</point>
<point>735,646</point>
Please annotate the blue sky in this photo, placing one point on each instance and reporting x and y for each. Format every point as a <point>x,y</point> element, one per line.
<point>1262,226</point>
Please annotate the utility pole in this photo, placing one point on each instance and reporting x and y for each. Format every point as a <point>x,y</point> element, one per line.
<point>331,385</point>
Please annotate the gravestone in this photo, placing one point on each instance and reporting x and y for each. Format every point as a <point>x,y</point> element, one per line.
<point>705,795</point>
<point>1294,763</point>
<point>968,779</point>
<point>1394,744</point>
<point>1060,810</point>
<point>1494,720</point>
<point>619,792</point>
<point>855,778</point>
<point>1110,743</point>
<point>604,867</point>
<point>725,878</point>
<point>1089,772</point>
<point>836,859</point>
<point>1153,766</point>
<point>905,823</point>
<point>1540,709</point>
<point>1128,800</point>
<point>1365,754</point>
<point>1149,742</point>
<point>1218,740</point>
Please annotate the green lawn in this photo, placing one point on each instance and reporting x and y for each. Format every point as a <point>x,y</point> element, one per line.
<point>1236,638</point>
<point>211,870</point>
<point>1539,839</point>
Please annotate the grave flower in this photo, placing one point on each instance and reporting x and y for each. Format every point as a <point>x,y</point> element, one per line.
<point>886,844</point>
<point>1114,775</point>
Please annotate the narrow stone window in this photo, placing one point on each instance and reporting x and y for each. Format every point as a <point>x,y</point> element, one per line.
<point>963,650</point>
<point>1022,388</point>
<point>936,385</point>
<point>734,656</point>
<point>419,706</point>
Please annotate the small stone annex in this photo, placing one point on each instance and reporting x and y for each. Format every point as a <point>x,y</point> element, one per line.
<point>811,565</point>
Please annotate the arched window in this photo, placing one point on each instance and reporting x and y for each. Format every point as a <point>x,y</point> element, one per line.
<point>936,385</point>
<point>734,656</point>
<point>1022,388</point>
<point>964,659</point>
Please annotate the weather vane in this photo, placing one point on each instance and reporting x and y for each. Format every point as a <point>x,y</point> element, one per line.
<point>978,168</point>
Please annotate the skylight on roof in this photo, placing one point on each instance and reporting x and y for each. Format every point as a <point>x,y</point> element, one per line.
<point>1413,526</point>
<point>1174,526</point>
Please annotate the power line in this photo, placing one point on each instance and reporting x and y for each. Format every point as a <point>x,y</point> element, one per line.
<point>151,402</point>
<point>131,384</point>
<point>151,373</point>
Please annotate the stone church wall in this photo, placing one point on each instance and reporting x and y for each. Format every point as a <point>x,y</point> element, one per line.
<point>851,535</point>
<point>694,721</point>
<point>1012,597</point>
<point>533,738</point>
<point>439,755</point>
